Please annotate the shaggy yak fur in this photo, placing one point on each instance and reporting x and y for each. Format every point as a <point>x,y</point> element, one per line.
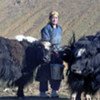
<point>18,61</point>
<point>84,70</point>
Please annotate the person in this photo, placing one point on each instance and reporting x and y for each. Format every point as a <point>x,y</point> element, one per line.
<point>52,32</point>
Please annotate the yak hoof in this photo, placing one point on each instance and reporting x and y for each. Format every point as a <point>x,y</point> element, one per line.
<point>88,97</point>
<point>73,97</point>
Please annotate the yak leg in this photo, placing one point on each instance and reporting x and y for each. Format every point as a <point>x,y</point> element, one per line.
<point>20,92</point>
<point>73,96</point>
<point>88,97</point>
<point>78,97</point>
<point>98,95</point>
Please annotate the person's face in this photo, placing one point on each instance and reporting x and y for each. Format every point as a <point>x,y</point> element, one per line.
<point>54,20</point>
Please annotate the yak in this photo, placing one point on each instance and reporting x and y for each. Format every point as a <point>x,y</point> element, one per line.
<point>19,60</point>
<point>84,70</point>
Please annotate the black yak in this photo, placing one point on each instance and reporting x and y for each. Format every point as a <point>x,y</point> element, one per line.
<point>84,70</point>
<point>18,61</point>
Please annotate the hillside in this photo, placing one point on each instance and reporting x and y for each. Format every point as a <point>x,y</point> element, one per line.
<point>29,16</point>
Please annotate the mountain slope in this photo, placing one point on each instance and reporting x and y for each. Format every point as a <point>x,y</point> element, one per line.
<point>29,16</point>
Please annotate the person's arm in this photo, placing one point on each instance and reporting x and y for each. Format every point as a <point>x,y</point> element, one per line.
<point>45,34</point>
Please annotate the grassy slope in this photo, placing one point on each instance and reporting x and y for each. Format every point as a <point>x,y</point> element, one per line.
<point>29,16</point>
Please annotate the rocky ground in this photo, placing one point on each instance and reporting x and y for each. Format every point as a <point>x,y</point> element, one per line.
<point>32,92</point>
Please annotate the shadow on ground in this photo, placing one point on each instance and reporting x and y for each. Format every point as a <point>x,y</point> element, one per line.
<point>30,98</point>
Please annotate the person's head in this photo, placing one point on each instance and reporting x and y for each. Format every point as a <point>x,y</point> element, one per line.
<point>53,17</point>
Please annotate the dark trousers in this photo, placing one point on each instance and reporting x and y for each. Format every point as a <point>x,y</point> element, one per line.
<point>55,84</point>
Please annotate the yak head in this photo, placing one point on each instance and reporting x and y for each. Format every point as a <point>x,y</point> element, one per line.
<point>82,67</point>
<point>82,63</point>
<point>38,53</point>
<point>84,50</point>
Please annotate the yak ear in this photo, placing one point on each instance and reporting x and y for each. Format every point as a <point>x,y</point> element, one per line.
<point>72,40</point>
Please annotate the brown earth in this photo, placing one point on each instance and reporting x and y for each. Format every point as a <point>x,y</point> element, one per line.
<point>29,16</point>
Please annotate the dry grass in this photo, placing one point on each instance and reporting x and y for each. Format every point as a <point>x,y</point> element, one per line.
<point>29,16</point>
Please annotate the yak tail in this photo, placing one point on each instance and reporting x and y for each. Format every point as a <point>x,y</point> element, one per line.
<point>72,40</point>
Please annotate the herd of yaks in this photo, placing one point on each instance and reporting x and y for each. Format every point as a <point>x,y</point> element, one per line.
<point>84,65</point>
